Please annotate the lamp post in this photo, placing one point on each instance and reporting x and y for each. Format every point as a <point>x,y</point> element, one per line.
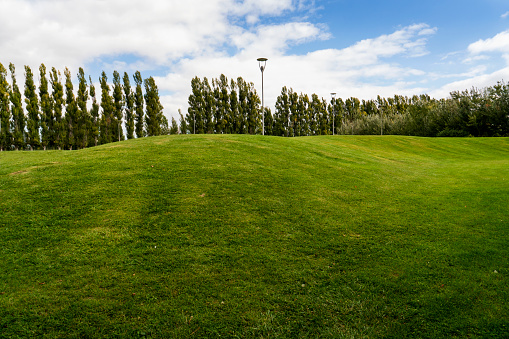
<point>333,95</point>
<point>262,62</point>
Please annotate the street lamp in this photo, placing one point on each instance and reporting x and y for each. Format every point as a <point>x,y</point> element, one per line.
<point>262,62</point>
<point>333,95</point>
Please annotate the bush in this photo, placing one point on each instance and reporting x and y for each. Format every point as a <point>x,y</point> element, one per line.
<point>452,133</point>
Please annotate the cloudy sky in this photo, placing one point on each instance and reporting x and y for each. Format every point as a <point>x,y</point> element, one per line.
<point>360,48</point>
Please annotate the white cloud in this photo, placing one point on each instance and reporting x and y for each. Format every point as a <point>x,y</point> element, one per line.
<point>344,71</point>
<point>499,43</point>
<point>505,15</point>
<point>183,39</point>
<point>478,81</point>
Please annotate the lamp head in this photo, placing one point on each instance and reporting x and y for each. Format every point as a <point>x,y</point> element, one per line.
<point>260,61</point>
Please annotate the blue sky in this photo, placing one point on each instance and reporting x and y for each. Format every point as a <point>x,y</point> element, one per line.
<point>360,48</point>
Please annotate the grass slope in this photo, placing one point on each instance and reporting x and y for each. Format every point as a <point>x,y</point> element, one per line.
<point>251,236</point>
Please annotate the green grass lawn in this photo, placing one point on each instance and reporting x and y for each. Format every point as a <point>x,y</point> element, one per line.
<point>250,236</point>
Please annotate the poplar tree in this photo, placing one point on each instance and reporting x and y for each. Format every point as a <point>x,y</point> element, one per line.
<point>18,117</point>
<point>82,117</point>
<point>138,105</point>
<point>129,107</point>
<point>234,109</point>
<point>209,106</point>
<point>282,113</point>
<point>195,111</point>
<point>94,116</point>
<point>222,98</point>
<point>5,112</point>
<point>71,111</point>
<point>56,125</point>
<point>253,118</point>
<point>106,131</point>
<point>241,118</point>
<point>46,107</point>
<point>118,104</point>
<point>154,109</point>
<point>314,114</point>
<point>183,124</point>
<point>174,129</point>
<point>268,120</point>
<point>32,106</point>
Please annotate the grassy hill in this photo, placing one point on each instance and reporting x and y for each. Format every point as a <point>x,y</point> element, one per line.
<point>251,236</point>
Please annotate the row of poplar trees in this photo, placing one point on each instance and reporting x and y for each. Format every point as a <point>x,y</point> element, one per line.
<point>57,118</point>
<point>223,106</point>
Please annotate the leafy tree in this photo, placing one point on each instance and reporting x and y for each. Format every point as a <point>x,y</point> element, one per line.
<point>222,98</point>
<point>174,129</point>
<point>83,119</point>
<point>32,105</point>
<point>138,105</point>
<point>165,127</point>
<point>106,131</point>
<point>56,126</point>
<point>18,117</point>
<point>303,109</point>
<point>352,112</point>
<point>154,109</point>
<point>71,111</point>
<point>282,113</point>
<point>5,112</point>
<point>498,109</point>
<point>46,108</point>
<point>209,106</point>
<point>183,124</point>
<point>294,118</point>
<point>233,122</point>
<point>94,117</point>
<point>129,107</point>
<point>195,112</point>
<point>243,107</point>
<point>253,118</point>
<point>269,121</point>
<point>118,104</point>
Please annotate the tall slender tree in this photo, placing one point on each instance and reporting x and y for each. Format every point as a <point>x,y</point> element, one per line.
<point>118,104</point>
<point>209,107</point>
<point>138,105</point>
<point>56,126</point>
<point>5,112</point>
<point>195,112</point>
<point>233,126</point>
<point>18,116</point>
<point>183,124</point>
<point>32,106</point>
<point>46,107</point>
<point>253,118</point>
<point>154,109</point>
<point>106,131</point>
<point>174,129</point>
<point>222,98</point>
<point>94,116</point>
<point>282,113</point>
<point>71,112</point>
<point>83,120</point>
<point>129,107</point>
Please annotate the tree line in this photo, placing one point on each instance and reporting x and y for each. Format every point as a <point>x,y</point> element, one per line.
<point>57,118</point>
<point>222,106</point>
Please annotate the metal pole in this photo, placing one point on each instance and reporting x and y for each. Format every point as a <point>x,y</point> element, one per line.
<point>333,111</point>
<point>262,68</point>
<point>263,109</point>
